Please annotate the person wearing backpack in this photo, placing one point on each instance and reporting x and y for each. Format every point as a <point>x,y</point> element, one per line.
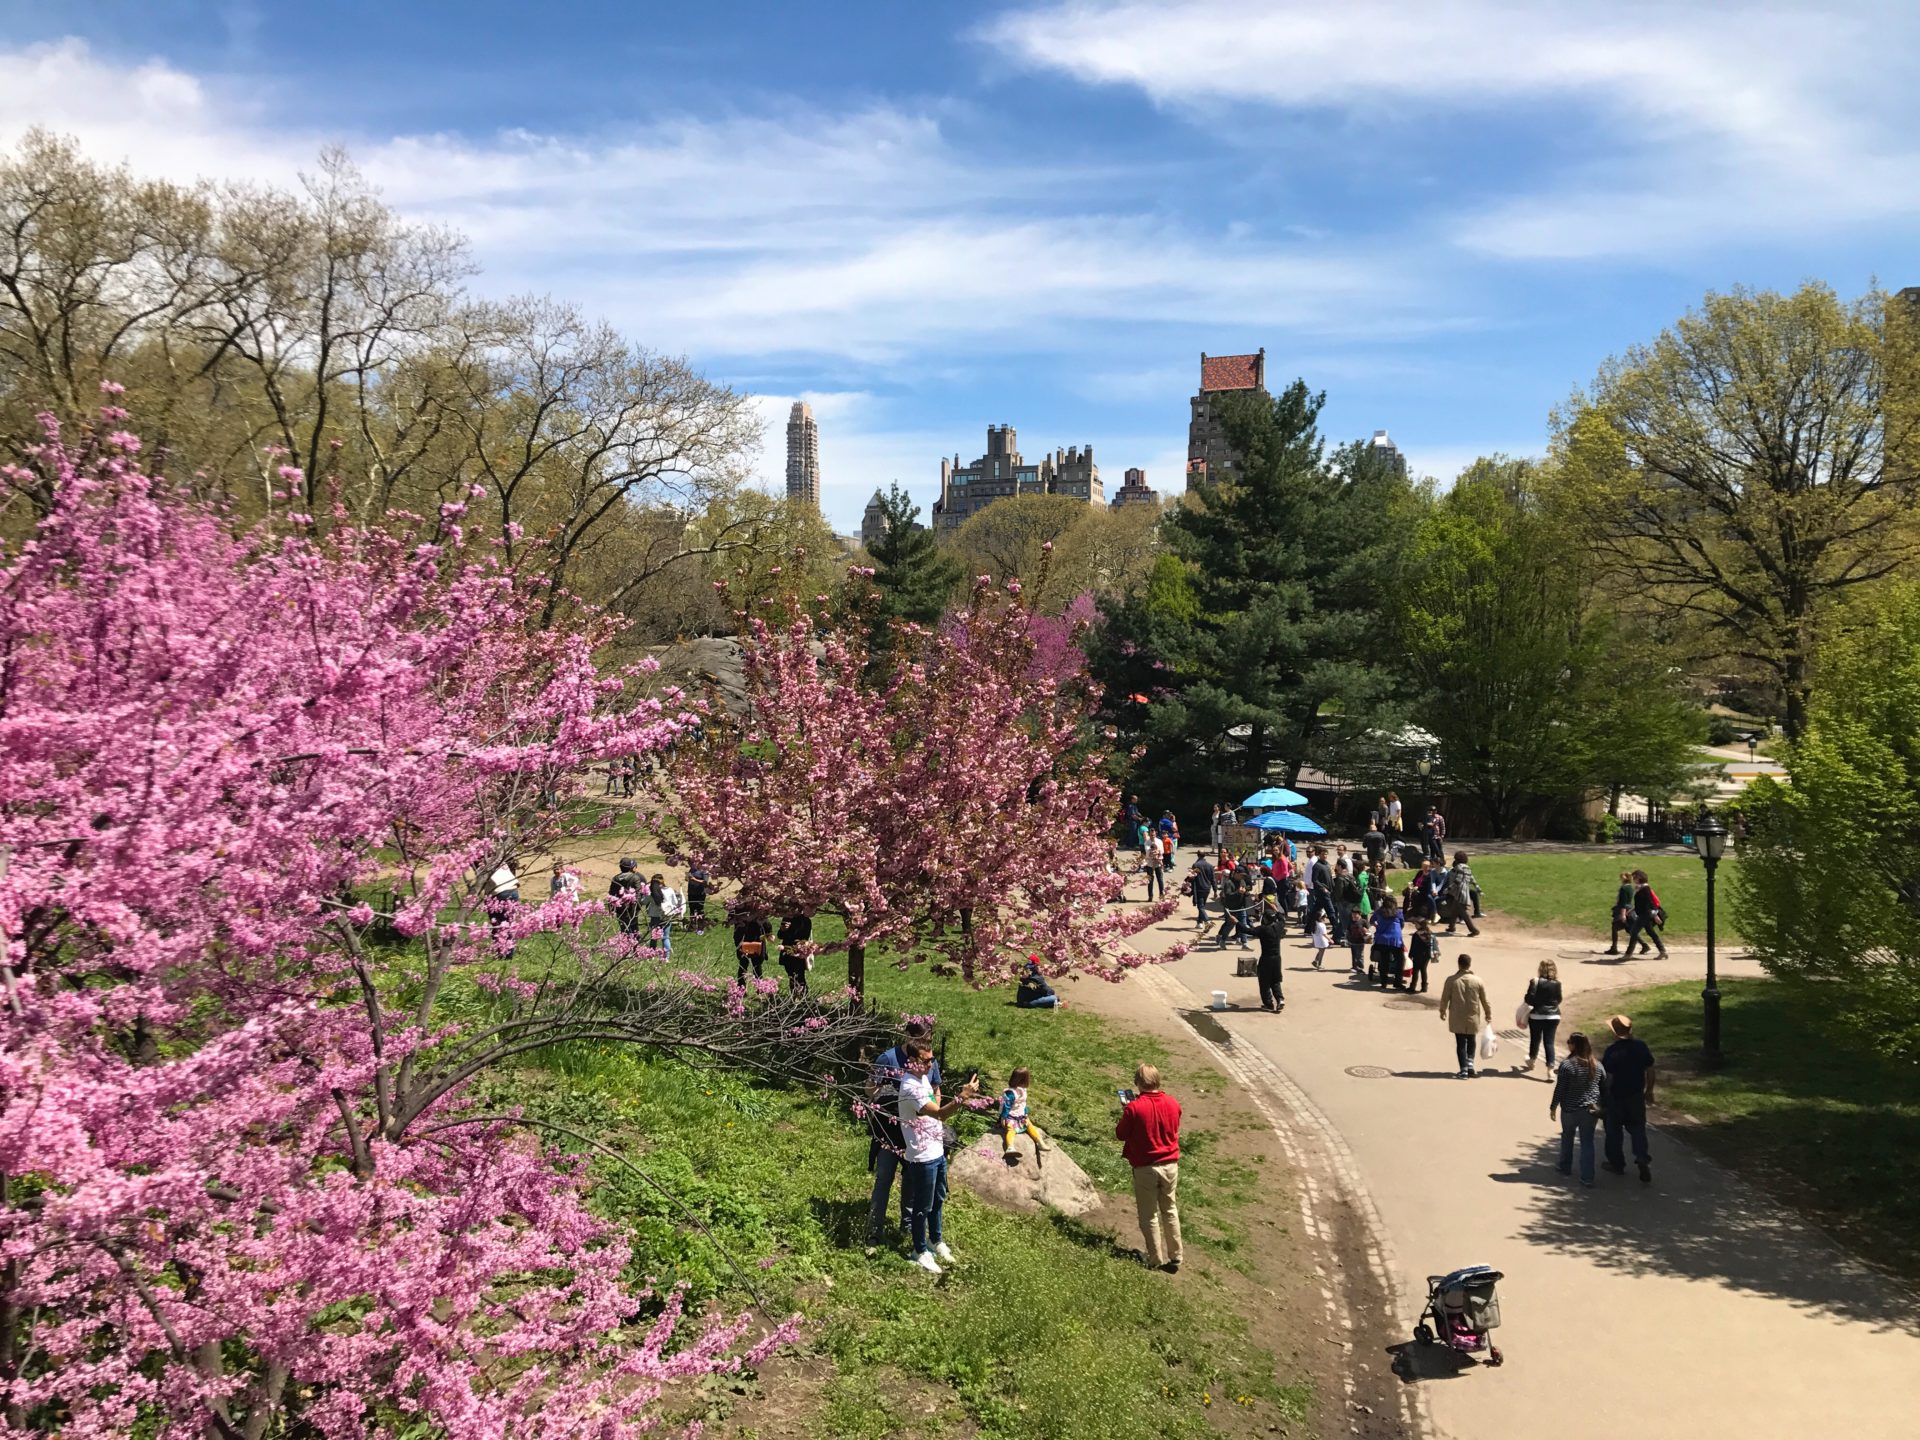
<point>1648,916</point>
<point>1460,895</point>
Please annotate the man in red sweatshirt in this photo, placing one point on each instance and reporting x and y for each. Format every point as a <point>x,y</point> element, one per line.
<point>1149,1132</point>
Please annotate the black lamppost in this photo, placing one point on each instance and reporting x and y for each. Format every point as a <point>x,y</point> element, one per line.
<point>1710,838</point>
<point>1426,770</point>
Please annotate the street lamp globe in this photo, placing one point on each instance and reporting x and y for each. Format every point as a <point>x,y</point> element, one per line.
<point>1710,838</point>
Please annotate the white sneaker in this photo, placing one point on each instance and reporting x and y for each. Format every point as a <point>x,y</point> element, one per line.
<point>927,1263</point>
<point>943,1252</point>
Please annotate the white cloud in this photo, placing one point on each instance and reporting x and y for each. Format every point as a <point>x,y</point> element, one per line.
<point>1712,119</point>
<point>830,233</point>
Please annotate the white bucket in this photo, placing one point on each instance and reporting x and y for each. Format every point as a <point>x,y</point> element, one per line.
<point>1219,999</point>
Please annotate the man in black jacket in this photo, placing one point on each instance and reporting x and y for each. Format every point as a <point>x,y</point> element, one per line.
<point>625,892</point>
<point>1268,934</point>
<point>795,931</point>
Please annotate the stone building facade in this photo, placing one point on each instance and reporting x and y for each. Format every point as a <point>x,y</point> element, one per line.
<point>873,520</point>
<point>803,455</point>
<point>1003,472</point>
<point>1208,451</point>
<point>1135,491</point>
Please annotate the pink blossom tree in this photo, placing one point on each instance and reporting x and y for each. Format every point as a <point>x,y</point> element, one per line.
<point>243,1187</point>
<point>952,799</point>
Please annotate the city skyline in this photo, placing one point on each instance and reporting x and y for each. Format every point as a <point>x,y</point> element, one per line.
<point>917,221</point>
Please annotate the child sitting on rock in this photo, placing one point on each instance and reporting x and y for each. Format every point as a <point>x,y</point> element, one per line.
<point>1014,1117</point>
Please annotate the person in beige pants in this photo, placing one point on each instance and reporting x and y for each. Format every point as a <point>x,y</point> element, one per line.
<point>1467,1011</point>
<point>1149,1134</point>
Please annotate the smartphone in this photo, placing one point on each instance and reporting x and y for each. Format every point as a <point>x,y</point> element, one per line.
<point>1127,1097</point>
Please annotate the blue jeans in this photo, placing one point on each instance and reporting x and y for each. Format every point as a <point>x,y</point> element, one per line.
<point>666,937</point>
<point>1155,881</point>
<point>1574,1121</point>
<point>1627,1114</point>
<point>884,1166</point>
<point>1463,1049</point>
<point>1040,1002</point>
<point>924,1190</point>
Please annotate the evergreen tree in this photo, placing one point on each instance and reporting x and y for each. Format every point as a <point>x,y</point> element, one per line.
<point>1259,642</point>
<point>914,576</point>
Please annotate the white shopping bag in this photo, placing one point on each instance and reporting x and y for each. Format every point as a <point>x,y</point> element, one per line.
<point>1489,1042</point>
<point>1522,1016</point>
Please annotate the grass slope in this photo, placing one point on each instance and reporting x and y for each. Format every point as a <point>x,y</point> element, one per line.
<point>1830,1126</point>
<point>1044,1330</point>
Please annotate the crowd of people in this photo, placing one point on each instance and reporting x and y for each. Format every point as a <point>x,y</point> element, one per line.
<point>1339,900</point>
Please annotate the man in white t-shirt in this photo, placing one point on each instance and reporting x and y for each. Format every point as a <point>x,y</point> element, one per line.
<point>924,1163</point>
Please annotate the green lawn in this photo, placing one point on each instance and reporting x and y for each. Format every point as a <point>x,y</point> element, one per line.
<point>1575,890</point>
<point>1830,1126</point>
<point>1044,1329</point>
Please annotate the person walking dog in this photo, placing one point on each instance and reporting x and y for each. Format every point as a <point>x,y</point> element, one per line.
<point>1467,1011</point>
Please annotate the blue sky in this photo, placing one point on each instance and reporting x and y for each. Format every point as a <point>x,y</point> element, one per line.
<point>929,218</point>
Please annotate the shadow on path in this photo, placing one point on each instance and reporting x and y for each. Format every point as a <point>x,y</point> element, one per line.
<point>1697,1221</point>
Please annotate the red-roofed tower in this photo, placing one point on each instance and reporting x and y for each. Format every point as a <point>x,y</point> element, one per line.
<point>1207,449</point>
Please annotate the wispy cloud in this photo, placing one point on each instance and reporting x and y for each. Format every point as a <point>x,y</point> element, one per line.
<point>1705,120</point>
<point>792,230</point>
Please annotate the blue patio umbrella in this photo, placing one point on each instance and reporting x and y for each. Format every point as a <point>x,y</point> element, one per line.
<point>1287,823</point>
<point>1272,796</point>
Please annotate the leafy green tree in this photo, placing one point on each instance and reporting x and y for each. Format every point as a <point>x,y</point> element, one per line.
<point>1828,886</point>
<point>1259,638</point>
<point>914,576</point>
<point>1534,694</point>
<point>1749,470</point>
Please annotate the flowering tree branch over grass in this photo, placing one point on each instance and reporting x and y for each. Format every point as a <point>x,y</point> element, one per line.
<point>952,800</point>
<point>242,1189</point>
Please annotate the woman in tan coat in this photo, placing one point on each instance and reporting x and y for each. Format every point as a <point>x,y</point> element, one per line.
<point>1467,1011</point>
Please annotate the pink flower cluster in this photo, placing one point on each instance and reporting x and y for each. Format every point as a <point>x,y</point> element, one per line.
<point>952,800</point>
<point>241,1189</point>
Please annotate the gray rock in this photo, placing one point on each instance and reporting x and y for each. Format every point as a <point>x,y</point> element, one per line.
<point>1056,1183</point>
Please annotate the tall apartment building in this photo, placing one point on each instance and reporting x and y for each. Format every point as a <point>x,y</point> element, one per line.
<point>803,455</point>
<point>1135,491</point>
<point>1208,451</point>
<point>1385,449</point>
<point>966,490</point>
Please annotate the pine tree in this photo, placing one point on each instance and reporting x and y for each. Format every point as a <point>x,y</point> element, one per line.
<point>1270,647</point>
<point>914,576</point>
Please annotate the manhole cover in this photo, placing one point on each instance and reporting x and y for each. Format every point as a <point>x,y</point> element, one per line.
<point>1407,1005</point>
<point>1579,954</point>
<point>1511,1034</point>
<point>1369,1072</point>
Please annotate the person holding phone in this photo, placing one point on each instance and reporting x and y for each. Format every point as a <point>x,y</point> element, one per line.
<point>1149,1133</point>
<point>924,1181</point>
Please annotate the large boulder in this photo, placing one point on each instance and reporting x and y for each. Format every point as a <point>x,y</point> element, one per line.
<point>1055,1183</point>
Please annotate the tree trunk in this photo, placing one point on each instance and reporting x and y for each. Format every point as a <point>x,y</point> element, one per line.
<point>857,970</point>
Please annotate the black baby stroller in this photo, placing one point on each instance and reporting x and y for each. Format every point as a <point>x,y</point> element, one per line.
<point>1465,1309</point>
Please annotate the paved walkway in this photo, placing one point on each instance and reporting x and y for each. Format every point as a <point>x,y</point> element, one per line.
<point>1688,1308</point>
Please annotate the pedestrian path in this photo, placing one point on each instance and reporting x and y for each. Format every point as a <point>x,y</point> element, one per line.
<point>1691,1307</point>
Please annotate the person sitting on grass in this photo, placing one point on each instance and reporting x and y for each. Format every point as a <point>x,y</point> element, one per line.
<point>1014,1118</point>
<point>1034,992</point>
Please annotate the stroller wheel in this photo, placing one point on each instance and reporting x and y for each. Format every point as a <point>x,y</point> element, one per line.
<point>1423,1333</point>
<point>1494,1357</point>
